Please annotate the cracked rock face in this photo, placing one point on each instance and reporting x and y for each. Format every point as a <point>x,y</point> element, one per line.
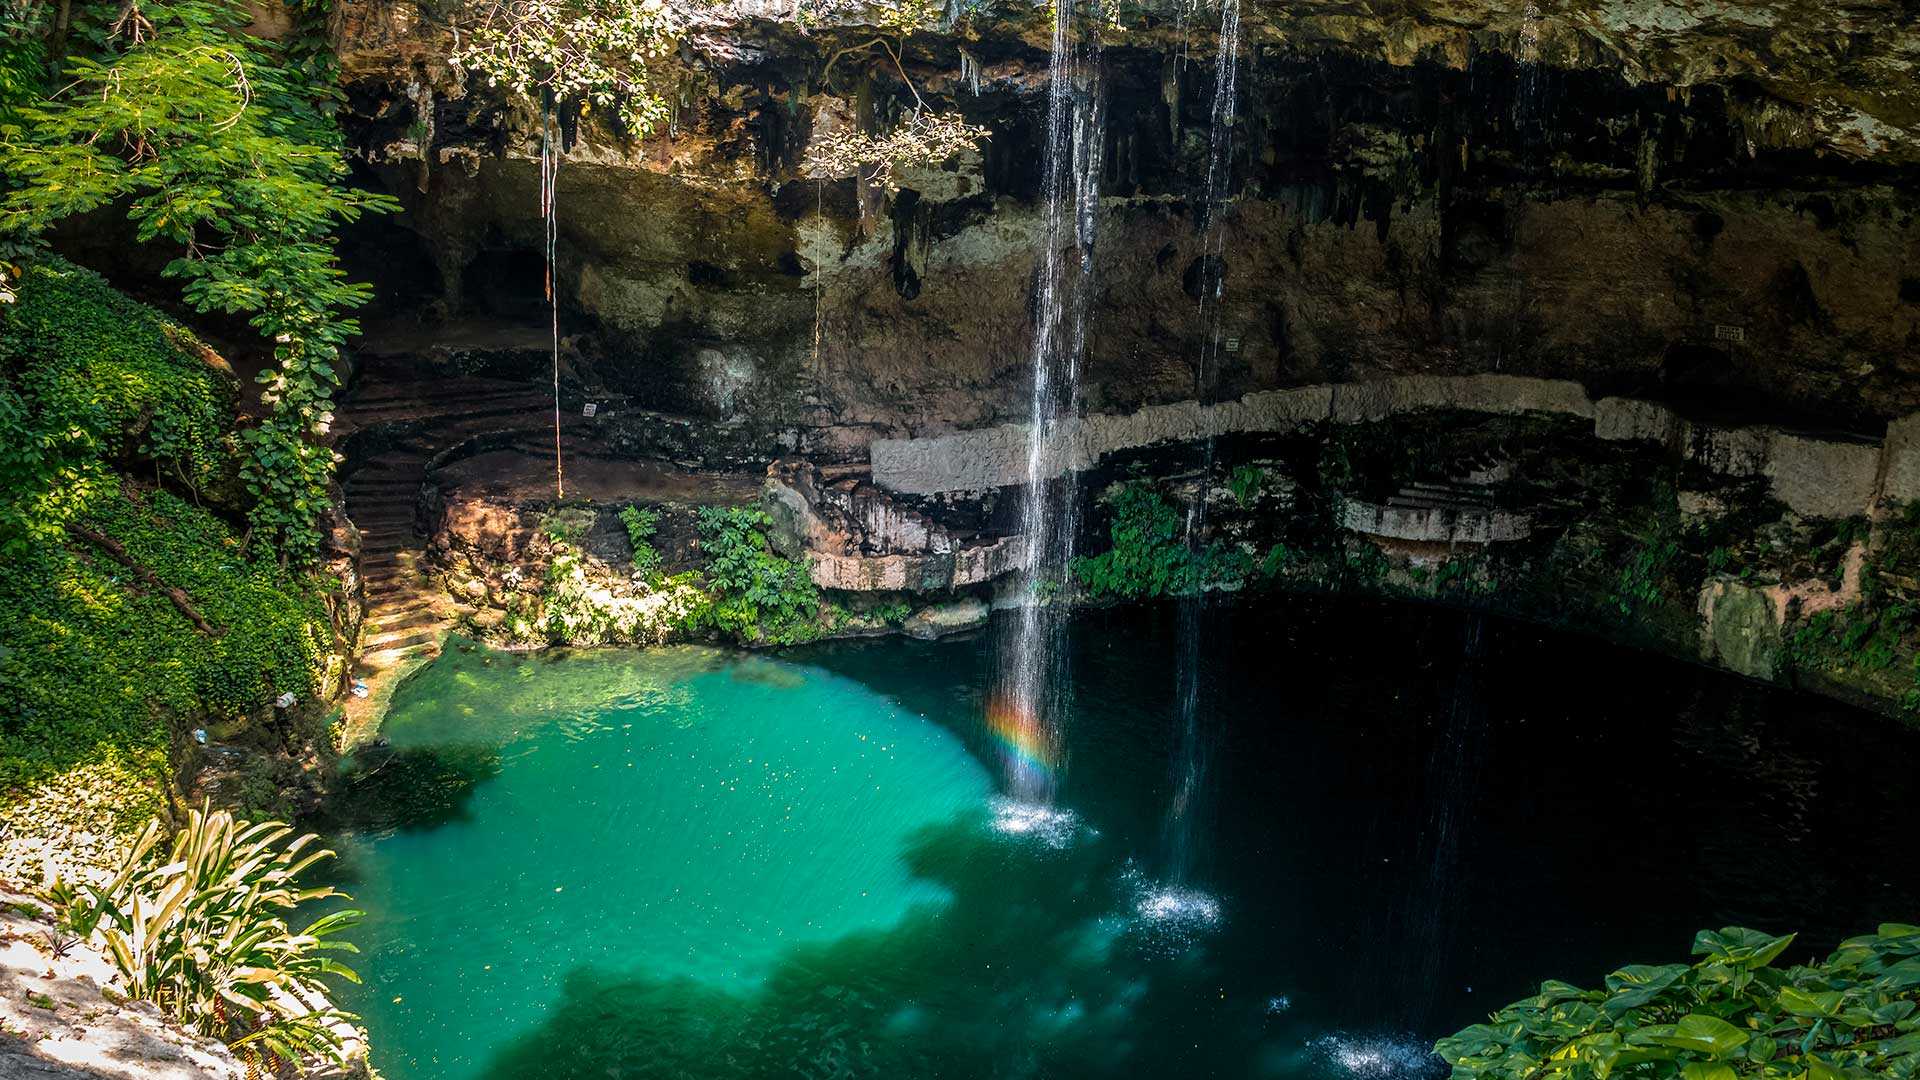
<point>1710,202</point>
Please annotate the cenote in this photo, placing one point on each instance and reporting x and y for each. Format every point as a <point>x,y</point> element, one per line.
<point>959,539</point>
<point>697,862</point>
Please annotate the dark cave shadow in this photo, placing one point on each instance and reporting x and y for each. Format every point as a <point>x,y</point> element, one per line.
<point>1010,977</point>
<point>410,790</point>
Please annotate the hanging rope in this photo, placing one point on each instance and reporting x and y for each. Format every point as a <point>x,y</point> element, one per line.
<point>549,172</point>
<point>819,271</point>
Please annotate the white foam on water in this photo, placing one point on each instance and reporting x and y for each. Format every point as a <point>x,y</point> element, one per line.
<point>1376,1057</point>
<point>1048,825</point>
<point>1174,906</point>
<point>1168,919</point>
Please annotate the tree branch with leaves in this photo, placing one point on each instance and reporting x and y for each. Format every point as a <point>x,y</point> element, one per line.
<point>220,144</point>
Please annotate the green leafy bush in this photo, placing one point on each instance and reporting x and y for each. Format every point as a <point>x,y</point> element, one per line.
<point>1729,1016</point>
<point>758,596</point>
<point>1148,558</point>
<point>97,668</point>
<point>641,524</point>
<point>200,928</point>
<point>220,143</point>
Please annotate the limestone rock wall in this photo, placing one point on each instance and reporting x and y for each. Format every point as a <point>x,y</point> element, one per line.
<point>60,1025</point>
<point>1712,201</point>
<point>1815,476</point>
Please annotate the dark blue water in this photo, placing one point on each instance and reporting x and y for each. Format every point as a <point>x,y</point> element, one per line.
<point>1413,817</point>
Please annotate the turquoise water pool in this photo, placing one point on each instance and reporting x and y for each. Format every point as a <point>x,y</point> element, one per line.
<point>685,812</point>
<point>694,863</point>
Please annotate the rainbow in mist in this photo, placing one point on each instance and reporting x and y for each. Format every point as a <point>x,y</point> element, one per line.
<point>1026,746</point>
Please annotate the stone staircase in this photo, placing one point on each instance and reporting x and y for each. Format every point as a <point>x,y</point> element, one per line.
<point>407,613</point>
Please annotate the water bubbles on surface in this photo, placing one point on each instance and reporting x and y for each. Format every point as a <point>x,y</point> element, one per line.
<point>1169,917</point>
<point>1174,906</point>
<point>1278,1004</point>
<point>1049,825</point>
<point>1376,1057</point>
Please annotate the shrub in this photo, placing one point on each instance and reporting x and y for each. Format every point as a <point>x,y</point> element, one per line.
<point>94,663</point>
<point>1147,558</point>
<point>758,596</point>
<point>1730,1015</point>
<point>641,525</point>
<point>200,928</point>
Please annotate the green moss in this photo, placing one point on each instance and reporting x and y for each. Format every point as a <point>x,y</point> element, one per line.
<point>100,669</point>
<point>88,379</point>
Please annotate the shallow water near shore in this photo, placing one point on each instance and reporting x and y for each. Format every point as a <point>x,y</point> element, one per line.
<point>705,863</point>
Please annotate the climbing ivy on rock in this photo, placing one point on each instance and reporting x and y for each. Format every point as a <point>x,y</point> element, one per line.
<point>605,53</point>
<point>221,146</point>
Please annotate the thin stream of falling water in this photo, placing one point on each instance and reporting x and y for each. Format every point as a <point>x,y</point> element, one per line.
<point>1193,746</point>
<point>1029,700</point>
<point>550,150</point>
<point>1453,774</point>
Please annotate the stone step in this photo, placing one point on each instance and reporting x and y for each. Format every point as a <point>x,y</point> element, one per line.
<point>431,403</point>
<point>394,463</point>
<point>378,483</point>
<point>400,606</point>
<point>379,660</point>
<point>387,622</point>
<point>403,639</point>
<point>380,517</point>
<point>430,389</point>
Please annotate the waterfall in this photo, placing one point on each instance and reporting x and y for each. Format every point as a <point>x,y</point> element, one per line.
<point>1029,701</point>
<point>1193,745</point>
<point>550,151</point>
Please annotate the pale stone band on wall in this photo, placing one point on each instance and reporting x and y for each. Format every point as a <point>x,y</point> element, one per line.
<point>917,573</point>
<point>1434,524</point>
<point>1814,476</point>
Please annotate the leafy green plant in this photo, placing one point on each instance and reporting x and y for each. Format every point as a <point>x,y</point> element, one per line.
<point>223,145</point>
<point>1638,586</point>
<point>758,596</point>
<point>641,524</point>
<point>1147,558</point>
<point>1729,1016</point>
<point>200,927</point>
<point>1245,482</point>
